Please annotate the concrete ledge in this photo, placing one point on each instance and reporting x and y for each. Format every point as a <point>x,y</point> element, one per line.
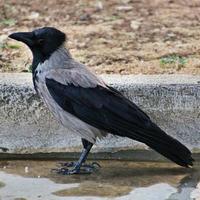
<point>26,126</point>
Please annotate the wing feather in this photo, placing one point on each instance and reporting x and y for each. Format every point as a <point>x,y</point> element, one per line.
<point>108,110</point>
<point>75,77</point>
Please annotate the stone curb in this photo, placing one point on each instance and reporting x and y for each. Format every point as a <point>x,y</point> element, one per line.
<point>26,126</point>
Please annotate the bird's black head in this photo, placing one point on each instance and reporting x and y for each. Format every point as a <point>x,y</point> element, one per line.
<point>42,42</point>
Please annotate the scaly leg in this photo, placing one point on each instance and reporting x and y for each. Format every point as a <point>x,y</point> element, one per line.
<point>79,167</point>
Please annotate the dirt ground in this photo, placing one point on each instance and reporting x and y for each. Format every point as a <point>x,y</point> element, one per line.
<point>110,36</point>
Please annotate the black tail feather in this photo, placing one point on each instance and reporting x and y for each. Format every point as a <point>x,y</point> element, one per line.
<point>157,139</point>
<point>164,144</point>
<point>126,116</point>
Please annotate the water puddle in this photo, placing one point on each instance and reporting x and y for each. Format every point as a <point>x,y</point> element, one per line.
<point>116,180</point>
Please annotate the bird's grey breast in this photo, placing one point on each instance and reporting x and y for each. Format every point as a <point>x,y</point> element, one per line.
<point>44,71</point>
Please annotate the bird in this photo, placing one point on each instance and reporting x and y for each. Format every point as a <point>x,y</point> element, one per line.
<point>86,105</point>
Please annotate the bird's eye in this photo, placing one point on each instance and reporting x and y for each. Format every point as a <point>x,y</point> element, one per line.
<point>40,41</point>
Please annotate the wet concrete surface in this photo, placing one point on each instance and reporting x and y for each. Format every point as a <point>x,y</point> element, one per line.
<point>116,180</point>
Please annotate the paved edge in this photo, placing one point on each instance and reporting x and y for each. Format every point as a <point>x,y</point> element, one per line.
<point>27,128</point>
<point>126,155</point>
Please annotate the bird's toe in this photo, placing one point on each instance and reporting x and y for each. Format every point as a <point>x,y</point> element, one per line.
<point>71,168</point>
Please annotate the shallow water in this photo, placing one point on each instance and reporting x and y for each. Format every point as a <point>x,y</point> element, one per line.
<point>116,180</point>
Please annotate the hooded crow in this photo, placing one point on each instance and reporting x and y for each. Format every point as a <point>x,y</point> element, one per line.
<point>86,105</point>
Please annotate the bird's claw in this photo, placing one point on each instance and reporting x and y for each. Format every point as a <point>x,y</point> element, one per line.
<point>65,171</point>
<point>84,169</point>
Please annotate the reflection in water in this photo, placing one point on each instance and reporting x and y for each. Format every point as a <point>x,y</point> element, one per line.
<point>160,191</point>
<point>17,187</point>
<point>122,180</point>
<point>195,194</point>
<point>187,185</point>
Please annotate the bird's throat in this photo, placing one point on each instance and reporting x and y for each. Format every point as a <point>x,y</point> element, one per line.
<point>38,58</point>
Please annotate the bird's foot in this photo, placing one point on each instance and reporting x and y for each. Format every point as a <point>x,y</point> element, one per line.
<point>70,168</point>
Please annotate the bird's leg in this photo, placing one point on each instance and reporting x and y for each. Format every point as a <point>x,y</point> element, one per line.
<point>78,167</point>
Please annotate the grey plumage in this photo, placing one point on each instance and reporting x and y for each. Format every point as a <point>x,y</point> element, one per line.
<point>64,69</point>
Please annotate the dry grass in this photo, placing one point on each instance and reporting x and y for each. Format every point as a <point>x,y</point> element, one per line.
<point>115,36</point>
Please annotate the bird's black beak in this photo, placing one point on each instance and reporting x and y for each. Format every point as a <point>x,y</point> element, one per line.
<point>25,37</point>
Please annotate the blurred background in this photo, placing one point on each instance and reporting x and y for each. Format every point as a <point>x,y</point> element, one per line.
<point>113,36</point>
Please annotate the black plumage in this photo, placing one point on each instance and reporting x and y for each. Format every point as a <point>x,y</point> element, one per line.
<point>108,110</point>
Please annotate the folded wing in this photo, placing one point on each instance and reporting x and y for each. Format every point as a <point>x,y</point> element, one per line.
<point>108,110</point>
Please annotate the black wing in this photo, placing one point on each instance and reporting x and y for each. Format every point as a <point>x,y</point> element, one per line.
<point>108,110</point>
